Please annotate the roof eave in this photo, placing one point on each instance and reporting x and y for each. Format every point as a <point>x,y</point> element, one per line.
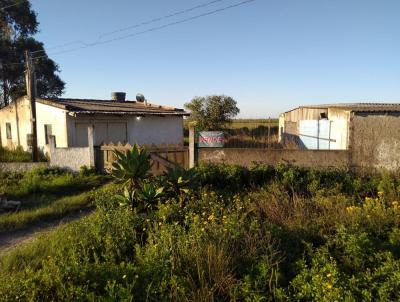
<point>143,113</point>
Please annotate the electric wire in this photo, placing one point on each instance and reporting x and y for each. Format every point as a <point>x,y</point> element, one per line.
<point>184,11</point>
<point>11,5</point>
<point>156,28</point>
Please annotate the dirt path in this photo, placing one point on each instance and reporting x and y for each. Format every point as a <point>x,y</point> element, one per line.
<point>16,238</point>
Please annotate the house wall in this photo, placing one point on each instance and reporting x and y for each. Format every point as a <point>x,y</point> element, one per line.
<point>156,130</point>
<point>18,114</point>
<point>147,130</point>
<point>375,140</point>
<point>56,117</point>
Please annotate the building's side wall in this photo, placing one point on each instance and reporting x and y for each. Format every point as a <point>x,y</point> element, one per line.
<point>18,114</point>
<point>146,130</point>
<point>56,117</point>
<point>375,141</point>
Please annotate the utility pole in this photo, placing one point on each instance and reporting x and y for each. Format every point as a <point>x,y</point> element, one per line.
<point>31,91</point>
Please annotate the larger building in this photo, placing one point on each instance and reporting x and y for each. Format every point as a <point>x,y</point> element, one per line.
<point>68,120</point>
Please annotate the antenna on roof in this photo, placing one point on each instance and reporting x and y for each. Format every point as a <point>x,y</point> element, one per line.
<point>141,99</point>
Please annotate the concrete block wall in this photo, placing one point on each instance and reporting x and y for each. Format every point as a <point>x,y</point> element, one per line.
<point>375,141</point>
<point>75,157</point>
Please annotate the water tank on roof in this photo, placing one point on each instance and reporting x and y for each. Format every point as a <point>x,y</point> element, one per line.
<point>118,96</point>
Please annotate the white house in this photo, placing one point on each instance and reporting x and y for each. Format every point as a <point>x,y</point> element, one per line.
<point>68,120</point>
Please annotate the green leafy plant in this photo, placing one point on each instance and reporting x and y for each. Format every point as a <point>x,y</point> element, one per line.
<point>132,167</point>
<point>179,180</point>
<point>149,193</point>
<point>143,198</point>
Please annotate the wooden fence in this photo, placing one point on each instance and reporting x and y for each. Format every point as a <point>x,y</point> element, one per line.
<point>162,156</point>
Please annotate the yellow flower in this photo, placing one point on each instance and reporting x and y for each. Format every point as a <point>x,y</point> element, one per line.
<point>124,276</point>
<point>328,286</point>
<point>395,204</point>
<point>368,199</point>
<point>380,194</point>
<point>351,208</point>
<point>211,217</point>
<point>329,275</point>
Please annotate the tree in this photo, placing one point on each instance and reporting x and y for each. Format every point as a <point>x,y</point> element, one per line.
<point>212,112</point>
<point>18,24</point>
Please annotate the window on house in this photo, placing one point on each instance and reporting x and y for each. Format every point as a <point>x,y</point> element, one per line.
<point>8,131</point>
<point>47,133</point>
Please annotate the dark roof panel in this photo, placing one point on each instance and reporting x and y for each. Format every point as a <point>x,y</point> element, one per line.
<point>88,106</point>
<point>358,107</point>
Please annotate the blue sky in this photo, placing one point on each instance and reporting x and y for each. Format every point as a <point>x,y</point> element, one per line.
<point>269,55</point>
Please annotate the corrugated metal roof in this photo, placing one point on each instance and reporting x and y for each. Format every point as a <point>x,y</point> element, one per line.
<point>89,106</point>
<point>358,107</point>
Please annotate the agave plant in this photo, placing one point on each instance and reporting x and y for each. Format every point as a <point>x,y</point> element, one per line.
<point>148,194</point>
<point>131,168</point>
<point>143,198</point>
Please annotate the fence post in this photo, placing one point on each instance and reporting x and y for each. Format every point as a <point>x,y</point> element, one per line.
<point>192,146</point>
<point>91,146</point>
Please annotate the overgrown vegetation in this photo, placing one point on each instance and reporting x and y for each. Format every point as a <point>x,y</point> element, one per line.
<point>46,194</point>
<point>48,181</point>
<point>17,155</point>
<point>222,233</point>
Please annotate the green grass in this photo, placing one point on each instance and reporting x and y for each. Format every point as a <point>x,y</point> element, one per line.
<point>46,194</point>
<point>253,123</point>
<point>50,182</point>
<point>261,234</point>
<point>17,155</point>
<point>44,213</point>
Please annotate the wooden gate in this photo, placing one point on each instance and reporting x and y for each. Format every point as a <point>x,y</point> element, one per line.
<point>162,157</point>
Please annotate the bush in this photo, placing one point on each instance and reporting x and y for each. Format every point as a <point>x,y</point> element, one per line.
<point>47,181</point>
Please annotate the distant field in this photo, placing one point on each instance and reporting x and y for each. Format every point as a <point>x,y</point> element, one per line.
<point>253,123</point>
<point>248,123</point>
<point>247,133</point>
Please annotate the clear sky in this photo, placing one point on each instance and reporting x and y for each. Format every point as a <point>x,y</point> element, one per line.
<point>270,55</point>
